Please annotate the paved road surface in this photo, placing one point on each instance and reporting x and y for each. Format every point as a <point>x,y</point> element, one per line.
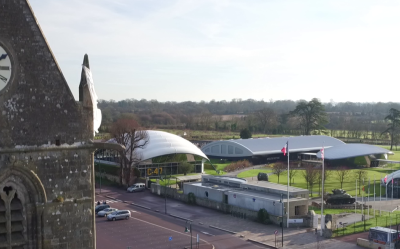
<point>149,229</point>
<point>203,218</point>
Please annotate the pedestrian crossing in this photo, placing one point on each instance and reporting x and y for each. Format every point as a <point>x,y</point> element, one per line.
<point>109,201</point>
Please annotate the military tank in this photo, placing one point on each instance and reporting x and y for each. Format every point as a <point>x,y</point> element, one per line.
<point>339,197</point>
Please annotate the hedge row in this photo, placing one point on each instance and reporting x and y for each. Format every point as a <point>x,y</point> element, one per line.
<point>108,169</point>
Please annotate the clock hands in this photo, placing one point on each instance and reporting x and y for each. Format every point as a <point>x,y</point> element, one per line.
<point>3,78</point>
<point>3,56</point>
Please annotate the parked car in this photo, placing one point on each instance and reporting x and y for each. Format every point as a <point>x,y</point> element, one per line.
<point>101,207</point>
<point>262,176</point>
<point>136,187</point>
<point>119,215</point>
<point>106,211</point>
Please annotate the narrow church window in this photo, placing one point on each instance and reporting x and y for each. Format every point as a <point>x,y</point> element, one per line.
<point>11,219</point>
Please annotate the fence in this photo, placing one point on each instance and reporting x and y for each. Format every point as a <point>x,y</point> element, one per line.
<point>386,219</point>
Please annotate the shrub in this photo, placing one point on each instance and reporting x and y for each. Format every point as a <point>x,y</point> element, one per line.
<point>191,198</point>
<point>185,168</point>
<point>262,215</point>
<point>245,133</point>
<point>237,166</point>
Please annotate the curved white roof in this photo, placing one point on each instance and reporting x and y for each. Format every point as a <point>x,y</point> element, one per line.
<point>352,150</point>
<point>163,143</point>
<point>266,146</point>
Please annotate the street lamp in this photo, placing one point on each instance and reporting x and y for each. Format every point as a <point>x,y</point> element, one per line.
<point>189,229</point>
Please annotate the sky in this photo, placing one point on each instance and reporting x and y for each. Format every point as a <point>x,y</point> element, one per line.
<point>185,50</point>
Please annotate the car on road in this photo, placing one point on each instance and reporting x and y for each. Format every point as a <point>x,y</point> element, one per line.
<point>106,212</point>
<point>119,215</point>
<point>136,188</point>
<point>101,207</point>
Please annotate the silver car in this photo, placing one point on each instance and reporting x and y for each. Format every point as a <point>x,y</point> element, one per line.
<point>119,215</point>
<point>106,211</point>
<point>136,187</point>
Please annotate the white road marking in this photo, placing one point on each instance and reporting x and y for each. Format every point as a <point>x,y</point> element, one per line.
<point>167,228</point>
<point>207,233</point>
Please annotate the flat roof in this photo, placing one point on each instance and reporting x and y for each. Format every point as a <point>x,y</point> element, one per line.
<point>259,194</point>
<point>189,177</point>
<point>276,186</point>
<point>265,195</point>
<point>387,161</point>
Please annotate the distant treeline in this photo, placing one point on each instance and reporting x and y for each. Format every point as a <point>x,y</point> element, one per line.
<point>348,119</point>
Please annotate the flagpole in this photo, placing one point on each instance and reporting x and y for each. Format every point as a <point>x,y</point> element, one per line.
<point>380,197</point>
<point>355,203</point>
<point>374,195</point>
<point>322,198</point>
<point>287,211</point>
<point>369,183</point>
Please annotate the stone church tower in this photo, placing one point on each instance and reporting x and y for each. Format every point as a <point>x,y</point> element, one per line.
<point>46,153</point>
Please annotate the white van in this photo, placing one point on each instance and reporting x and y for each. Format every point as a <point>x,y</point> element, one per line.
<point>136,187</point>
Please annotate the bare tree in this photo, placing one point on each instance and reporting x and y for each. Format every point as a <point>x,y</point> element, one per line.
<point>267,118</point>
<point>310,176</point>
<point>292,174</point>
<point>128,133</point>
<point>278,169</point>
<point>360,175</point>
<point>342,173</point>
<point>319,178</point>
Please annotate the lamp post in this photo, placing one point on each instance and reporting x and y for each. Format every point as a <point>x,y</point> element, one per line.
<point>282,217</point>
<point>189,229</point>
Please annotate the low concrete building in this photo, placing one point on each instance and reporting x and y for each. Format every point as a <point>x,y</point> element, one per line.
<point>252,196</point>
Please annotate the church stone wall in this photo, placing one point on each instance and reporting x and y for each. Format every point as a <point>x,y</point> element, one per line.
<point>46,159</point>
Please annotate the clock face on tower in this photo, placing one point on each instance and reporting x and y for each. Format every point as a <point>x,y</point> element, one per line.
<point>5,67</point>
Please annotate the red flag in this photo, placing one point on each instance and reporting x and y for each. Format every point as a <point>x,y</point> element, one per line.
<point>285,149</point>
<point>322,153</point>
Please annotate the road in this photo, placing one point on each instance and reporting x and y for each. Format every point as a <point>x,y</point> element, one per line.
<point>149,228</point>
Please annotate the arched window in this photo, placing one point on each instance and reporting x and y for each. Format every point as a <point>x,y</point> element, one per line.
<point>238,151</point>
<point>215,149</point>
<point>11,219</point>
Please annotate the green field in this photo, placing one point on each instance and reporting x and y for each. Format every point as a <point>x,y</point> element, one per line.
<point>331,182</point>
<point>253,173</point>
<point>386,219</point>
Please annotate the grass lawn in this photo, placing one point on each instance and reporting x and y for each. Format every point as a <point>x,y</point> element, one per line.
<point>386,219</point>
<point>218,166</point>
<point>252,172</point>
<point>334,211</point>
<point>331,182</point>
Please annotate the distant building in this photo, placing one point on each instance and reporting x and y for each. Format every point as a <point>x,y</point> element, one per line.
<point>266,150</point>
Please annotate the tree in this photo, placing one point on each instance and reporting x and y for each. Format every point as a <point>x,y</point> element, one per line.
<point>292,174</point>
<point>311,115</point>
<point>278,169</point>
<point>360,175</point>
<point>185,167</point>
<point>319,178</point>
<point>342,173</point>
<point>128,133</point>
<point>310,176</point>
<point>245,133</point>
<point>266,117</point>
<point>394,124</point>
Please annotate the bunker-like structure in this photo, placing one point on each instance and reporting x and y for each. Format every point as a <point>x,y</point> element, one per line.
<point>252,196</point>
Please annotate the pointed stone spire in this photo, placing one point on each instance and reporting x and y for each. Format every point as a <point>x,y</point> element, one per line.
<point>83,77</point>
